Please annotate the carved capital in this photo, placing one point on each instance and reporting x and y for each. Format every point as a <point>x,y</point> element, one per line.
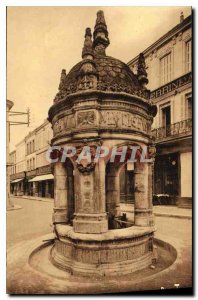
<point>86,170</point>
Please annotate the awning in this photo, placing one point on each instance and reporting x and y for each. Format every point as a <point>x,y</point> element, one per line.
<point>17,180</point>
<point>42,177</point>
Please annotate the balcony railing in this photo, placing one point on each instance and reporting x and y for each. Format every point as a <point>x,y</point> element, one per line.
<point>173,130</point>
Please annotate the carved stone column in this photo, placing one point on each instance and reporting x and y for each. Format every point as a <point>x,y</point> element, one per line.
<point>90,214</point>
<point>143,194</point>
<point>113,193</point>
<point>60,194</point>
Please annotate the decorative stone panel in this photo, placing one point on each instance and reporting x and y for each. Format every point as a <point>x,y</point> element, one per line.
<point>107,257</point>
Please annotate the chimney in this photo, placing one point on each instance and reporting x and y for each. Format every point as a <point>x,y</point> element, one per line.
<point>181,17</point>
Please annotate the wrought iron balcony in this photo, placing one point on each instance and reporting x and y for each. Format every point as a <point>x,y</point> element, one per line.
<point>175,130</point>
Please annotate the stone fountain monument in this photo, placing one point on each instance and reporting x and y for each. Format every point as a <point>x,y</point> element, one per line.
<point>101,102</point>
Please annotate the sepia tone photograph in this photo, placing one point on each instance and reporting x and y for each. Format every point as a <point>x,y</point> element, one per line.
<point>99,150</point>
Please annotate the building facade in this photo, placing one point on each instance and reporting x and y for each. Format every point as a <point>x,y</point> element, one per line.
<point>13,162</point>
<point>30,162</point>
<point>31,173</point>
<point>169,68</point>
<point>44,181</point>
<point>18,168</point>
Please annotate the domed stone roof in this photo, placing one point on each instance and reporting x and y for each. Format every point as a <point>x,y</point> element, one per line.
<point>101,72</point>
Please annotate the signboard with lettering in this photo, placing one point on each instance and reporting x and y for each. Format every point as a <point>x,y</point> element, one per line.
<point>44,170</point>
<point>172,86</point>
<point>31,173</point>
<point>17,176</point>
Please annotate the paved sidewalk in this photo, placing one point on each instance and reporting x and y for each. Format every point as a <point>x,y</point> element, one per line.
<point>163,211</point>
<point>51,200</point>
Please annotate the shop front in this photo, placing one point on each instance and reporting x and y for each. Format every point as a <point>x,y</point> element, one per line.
<point>167,170</point>
<point>173,173</point>
<point>30,186</point>
<point>42,184</point>
<point>17,184</point>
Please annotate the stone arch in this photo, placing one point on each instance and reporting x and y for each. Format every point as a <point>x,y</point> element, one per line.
<point>112,183</point>
<point>142,196</point>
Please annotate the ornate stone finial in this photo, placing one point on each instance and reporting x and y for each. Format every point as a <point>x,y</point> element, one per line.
<point>87,52</point>
<point>101,40</point>
<point>61,89</point>
<point>62,79</point>
<point>141,72</point>
<point>181,17</point>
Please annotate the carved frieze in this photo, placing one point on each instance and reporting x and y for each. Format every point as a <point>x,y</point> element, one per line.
<point>107,119</point>
<point>122,120</point>
<point>66,123</point>
<point>86,118</point>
